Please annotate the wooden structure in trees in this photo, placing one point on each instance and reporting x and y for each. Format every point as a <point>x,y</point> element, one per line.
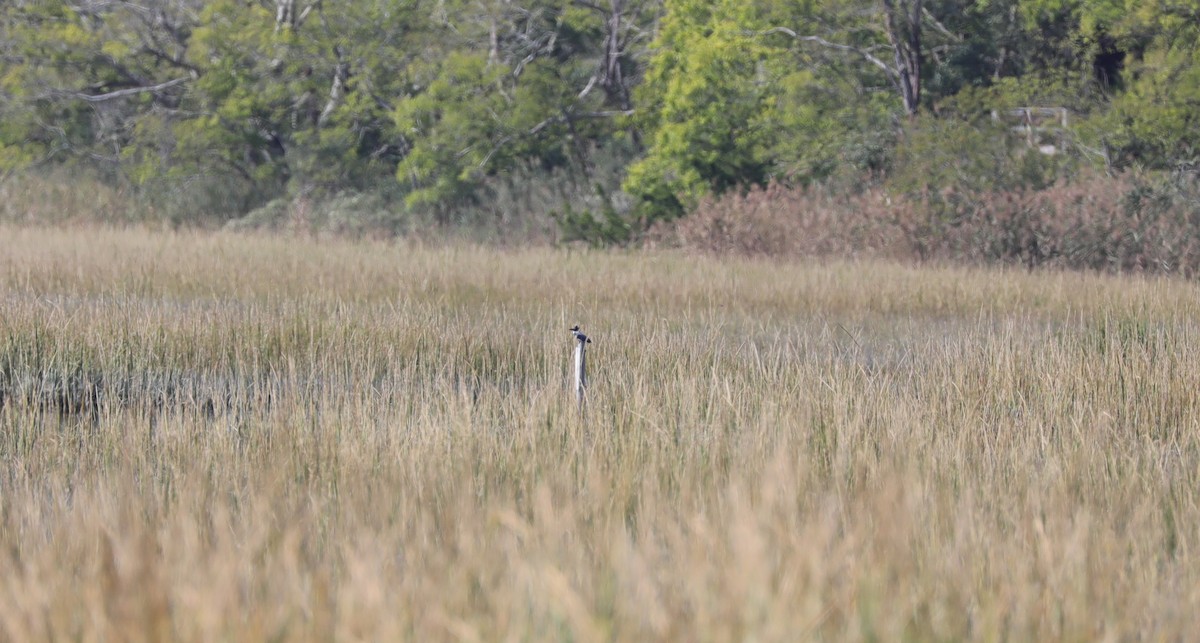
<point>1043,128</point>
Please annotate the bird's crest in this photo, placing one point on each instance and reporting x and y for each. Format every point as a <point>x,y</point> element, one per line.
<point>580,336</point>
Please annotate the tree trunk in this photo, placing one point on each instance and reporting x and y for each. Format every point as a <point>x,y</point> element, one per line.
<point>613,79</point>
<point>902,19</point>
<point>285,14</point>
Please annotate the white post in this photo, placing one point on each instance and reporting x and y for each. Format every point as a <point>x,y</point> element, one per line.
<point>580,371</point>
<point>581,342</point>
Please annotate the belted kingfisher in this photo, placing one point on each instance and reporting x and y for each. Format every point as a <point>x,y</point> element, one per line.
<point>580,337</point>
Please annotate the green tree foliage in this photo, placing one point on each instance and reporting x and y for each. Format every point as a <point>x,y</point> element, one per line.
<point>80,79</point>
<point>546,80</point>
<point>1155,122</point>
<point>440,101</point>
<point>299,99</point>
<point>705,103</point>
<point>738,94</point>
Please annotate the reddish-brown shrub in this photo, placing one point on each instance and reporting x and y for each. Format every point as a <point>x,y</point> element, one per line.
<point>1123,223</point>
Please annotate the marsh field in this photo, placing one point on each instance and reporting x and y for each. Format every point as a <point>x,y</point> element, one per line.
<point>211,437</point>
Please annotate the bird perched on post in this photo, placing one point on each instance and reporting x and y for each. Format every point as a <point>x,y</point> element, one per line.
<point>580,337</point>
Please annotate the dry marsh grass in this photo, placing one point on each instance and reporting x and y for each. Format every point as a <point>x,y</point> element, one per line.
<point>217,437</point>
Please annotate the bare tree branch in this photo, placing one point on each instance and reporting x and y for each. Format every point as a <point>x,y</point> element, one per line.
<point>536,129</point>
<point>170,60</point>
<point>902,25</point>
<point>589,5</point>
<point>939,27</point>
<point>341,73</point>
<point>120,93</point>
<point>307,10</point>
<point>587,89</point>
<point>866,55</point>
<point>607,113</point>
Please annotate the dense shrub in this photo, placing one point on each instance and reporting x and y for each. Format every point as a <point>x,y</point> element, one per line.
<point>59,197</point>
<point>1123,223</point>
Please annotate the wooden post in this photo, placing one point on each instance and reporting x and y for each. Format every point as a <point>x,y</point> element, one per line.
<point>581,342</point>
<point>580,372</point>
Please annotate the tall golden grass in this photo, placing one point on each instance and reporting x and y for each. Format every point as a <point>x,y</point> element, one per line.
<point>216,437</point>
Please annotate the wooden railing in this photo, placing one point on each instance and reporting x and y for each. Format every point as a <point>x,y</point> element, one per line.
<point>1043,128</point>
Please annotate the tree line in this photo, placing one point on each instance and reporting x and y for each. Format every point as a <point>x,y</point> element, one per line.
<point>647,106</point>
